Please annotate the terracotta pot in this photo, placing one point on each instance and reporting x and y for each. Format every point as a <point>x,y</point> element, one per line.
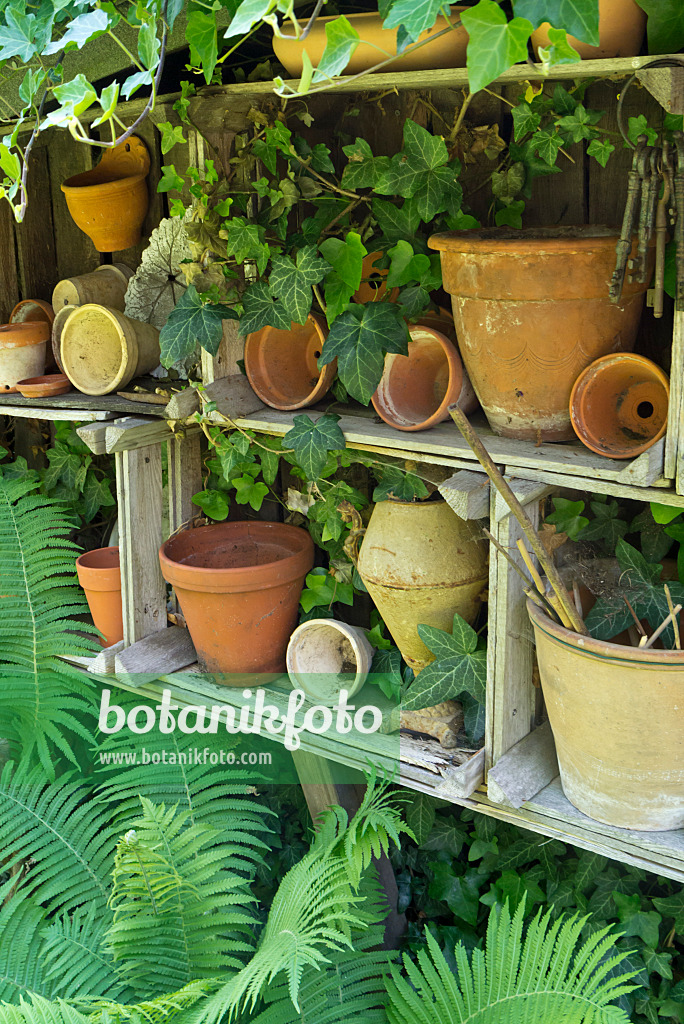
<point>100,576</point>
<point>325,656</point>
<point>109,202</point>
<point>622,25</point>
<point>420,564</point>
<point>238,585</point>
<point>32,311</point>
<point>373,285</point>
<point>43,387</point>
<point>61,317</point>
<point>102,350</point>
<point>105,286</point>
<point>617,717</point>
<point>415,391</point>
<point>282,366</point>
<point>532,311</point>
<point>22,352</point>
<point>449,51</point>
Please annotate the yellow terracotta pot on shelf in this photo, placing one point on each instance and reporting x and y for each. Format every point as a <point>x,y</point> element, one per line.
<point>102,350</point>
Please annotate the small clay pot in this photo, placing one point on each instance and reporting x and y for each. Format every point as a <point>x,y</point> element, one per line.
<point>22,352</point>
<point>100,576</point>
<point>373,285</point>
<point>622,25</point>
<point>43,387</point>
<point>238,585</point>
<point>109,202</point>
<point>102,350</point>
<point>619,404</point>
<point>105,286</point>
<point>325,656</point>
<point>448,51</point>
<point>416,390</point>
<point>61,317</point>
<point>282,366</point>
<point>32,311</point>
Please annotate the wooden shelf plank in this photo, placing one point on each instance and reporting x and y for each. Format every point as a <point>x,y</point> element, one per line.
<point>76,406</point>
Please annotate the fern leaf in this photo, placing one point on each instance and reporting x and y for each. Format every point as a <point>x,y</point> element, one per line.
<point>40,1011</point>
<point>74,960</point>
<point>21,967</point>
<point>162,1010</point>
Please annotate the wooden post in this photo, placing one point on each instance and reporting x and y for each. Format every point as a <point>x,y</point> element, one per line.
<point>184,460</point>
<point>225,362</point>
<point>139,493</point>
<point>322,787</point>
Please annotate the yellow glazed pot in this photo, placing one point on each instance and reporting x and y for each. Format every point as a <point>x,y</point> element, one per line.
<point>617,716</point>
<point>420,564</point>
<point>102,350</point>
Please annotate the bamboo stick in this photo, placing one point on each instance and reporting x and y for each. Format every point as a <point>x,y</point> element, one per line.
<point>672,618</point>
<point>668,595</point>
<point>541,599</point>
<point>551,598</point>
<point>518,511</point>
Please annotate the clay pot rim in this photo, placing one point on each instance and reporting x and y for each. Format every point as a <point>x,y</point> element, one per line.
<point>243,578</point>
<point>455,365</point>
<point>529,241</point>
<point>323,384</point>
<point>99,189</point>
<point>46,384</point>
<point>98,578</point>
<point>578,393</point>
<point>27,328</point>
<point>346,630</point>
<point>119,321</point>
<point>603,649</point>
<point>41,303</point>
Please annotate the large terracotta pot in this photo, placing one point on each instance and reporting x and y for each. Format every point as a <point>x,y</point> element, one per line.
<point>619,405</point>
<point>325,656</point>
<point>622,25</point>
<point>102,350</point>
<point>99,574</point>
<point>109,202</point>
<point>282,366</point>
<point>415,391</point>
<point>449,51</point>
<point>617,717</point>
<point>238,585</point>
<point>22,352</point>
<point>421,563</point>
<point>532,311</point>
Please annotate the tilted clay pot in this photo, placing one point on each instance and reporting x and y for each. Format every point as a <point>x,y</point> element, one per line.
<point>619,405</point>
<point>448,51</point>
<point>100,576</point>
<point>373,285</point>
<point>421,563</point>
<point>105,286</point>
<point>102,350</point>
<point>617,717</point>
<point>325,656</point>
<point>532,311</point>
<point>110,201</point>
<point>282,366</point>
<point>22,352</point>
<point>622,25</point>
<point>32,310</point>
<point>61,317</point>
<point>238,585</point>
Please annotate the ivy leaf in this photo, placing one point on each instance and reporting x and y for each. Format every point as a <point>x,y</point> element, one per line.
<point>341,41</point>
<point>213,503</point>
<point>637,126</point>
<point>601,150</point>
<point>277,139</point>
<point>580,18</point>
<point>567,517</point>
<point>249,491</point>
<point>446,835</point>
<point>346,258</point>
<point>495,43</point>
<point>658,962</point>
<point>634,921</point>
<point>525,120</point>
<point>359,339</point>
<point>170,181</point>
<point>248,14</point>
<point>363,169</point>
<point>396,222</point>
<point>664,514</point>
<point>148,44</point>
<point>17,36</point>
<point>386,671</point>
<point>97,494</point>
<point>405,266</point>
<point>171,135</point>
<point>607,527</point>
<point>548,144</point>
<point>580,124</point>
<point>134,82</point>
<point>420,816</point>
<point>665,25</point>
<point>322,589</point>
<point>193,322</point>
<point>461,893</point>
<point>653,540</point>
<point>394,483</point>
<point>421,172</point>
<point>461,666</point>
<point>65,467</point>
<point>589,866</point>
<point>80,30</point>
<point>415,15</point>
<point>672,907</point>
<point>261,309</point>
<point>311,442</point>
<point>559,50</point>
<point>291,281</point>
<point>245,241</point>
<point>510,215</point>
<point>200,32</point>
<point>75,97</point>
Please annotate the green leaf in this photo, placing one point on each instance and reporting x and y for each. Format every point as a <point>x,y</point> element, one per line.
<point>548,144</point>
<point>494,44</point>
<point>446,835</point>
<point>245,241</point>
<point>249,491</point>
<point>311,442</point>
<point>75,96</point>
<point>359,340</point>
<point>341,41</point>
<point>672,907</point>
<point>291,281</point>
<point>559,50</point>
<point>580,124</point>
<point>579,18</point>
<point>664,514</point>
<point>567,517</point>
<point>97,494</point>
<point>398,484</point>
<point>171,135</point>
<point>658,962</point>
<point>261,309</point>
<point>421,172</point>
<point>214,504</point>
<point>415,15</point>
<point>461,640</point>
<point>515,887</point>
<point>420,816</point>
<point>148,44</point>
<point>510,215</point>
<point>665,25</point>
<point>200,32</point>
<point>637,126</point>
<point>634,921</point>
<point>170,181</point>
<point>322,590</point>
<point>278,139</point>
<point>601,150</point>
<point>461,893</point>
<point>461,666</point>
<point>363,169</point>
<point>589,866</point>
<point>65,467</point>
<point>248,14</point>
<point>405,266</point>
<point>18,36</point>
<point>82,29</point>
<point>346,258</point>
<point>396,222</point>
<point>193,322</point>
<point>525,120</point>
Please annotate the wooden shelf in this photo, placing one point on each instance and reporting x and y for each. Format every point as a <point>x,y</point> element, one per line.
<point>75,406</point>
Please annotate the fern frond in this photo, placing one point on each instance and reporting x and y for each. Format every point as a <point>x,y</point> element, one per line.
<point>74,959</point>
<point>162,1010</point>
<point>40,1011</point>
<point>179,914</point>
<point>377,823</point>
<point>65,839</point>
<point>21,966</point>
<point>548,976</point>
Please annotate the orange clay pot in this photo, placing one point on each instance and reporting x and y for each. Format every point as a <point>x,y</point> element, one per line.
<point>282,366</point>
<point>449,51</point>
<point>44,386</point>
<point>100,576</point>
<point>415,391</point>
<point>619,405</point>
<point>238,585</point>
<point>622,25</point>
<point>373,285</point>
<point>532,311</point>
<point>22,352</point>
<point>30,311</point>
<point>110,201</point>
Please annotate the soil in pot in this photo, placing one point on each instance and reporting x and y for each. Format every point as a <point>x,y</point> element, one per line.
<point>238,585</point>
<point>622,25</point>
<point>102,350</point>
<point>100,576</point>
<point>282,366</point>
<point>532,310</point>
<point>325,656</point>
<point>22,352</point>
<point>617,717</point>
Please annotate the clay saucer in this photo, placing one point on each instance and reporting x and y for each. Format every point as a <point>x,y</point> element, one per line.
<point>43,387</point>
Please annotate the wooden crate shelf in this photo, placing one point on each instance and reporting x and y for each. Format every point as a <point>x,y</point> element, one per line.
<point>75,407</point>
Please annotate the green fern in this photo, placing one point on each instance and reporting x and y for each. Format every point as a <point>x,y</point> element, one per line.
<point>544,978</point>
<point>40,1011</point>
<point>21,963</point>
<point>179,914</point>
<point>162,1010</point>
<point>74,960</point>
